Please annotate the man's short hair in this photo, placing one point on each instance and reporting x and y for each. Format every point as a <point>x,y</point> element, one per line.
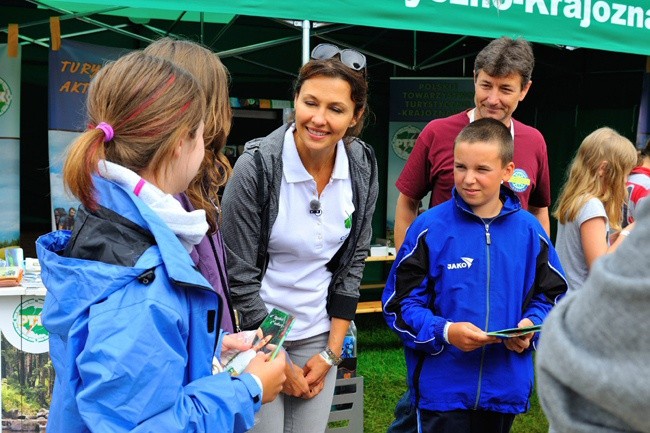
<point>488,130</point>
<point>505,56</point>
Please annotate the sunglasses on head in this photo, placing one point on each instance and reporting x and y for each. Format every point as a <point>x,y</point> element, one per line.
<point>350,58</point>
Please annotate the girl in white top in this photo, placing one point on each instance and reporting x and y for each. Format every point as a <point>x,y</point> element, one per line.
<point>591,202</point>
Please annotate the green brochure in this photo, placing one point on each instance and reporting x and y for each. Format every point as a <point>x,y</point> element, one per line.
<point>515,332</point>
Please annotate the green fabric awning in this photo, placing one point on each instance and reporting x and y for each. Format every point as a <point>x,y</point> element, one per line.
<point>612,25</point>
<point>136,12</point>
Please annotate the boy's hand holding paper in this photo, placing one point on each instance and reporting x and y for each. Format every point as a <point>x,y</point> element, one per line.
<point>467,337</point>
<point>518,339</point>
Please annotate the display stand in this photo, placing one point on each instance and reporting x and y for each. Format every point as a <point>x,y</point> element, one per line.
<point>373,306</point>
<point>347,407</point>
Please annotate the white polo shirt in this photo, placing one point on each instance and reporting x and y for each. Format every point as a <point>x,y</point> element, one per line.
<point>302,243</point>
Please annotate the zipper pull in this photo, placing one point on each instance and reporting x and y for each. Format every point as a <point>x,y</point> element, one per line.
<point>237,324</point>
<point>488,239</point>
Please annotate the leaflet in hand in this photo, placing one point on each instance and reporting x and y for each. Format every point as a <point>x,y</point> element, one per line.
<point>268,338</point>
<point>515,332</point>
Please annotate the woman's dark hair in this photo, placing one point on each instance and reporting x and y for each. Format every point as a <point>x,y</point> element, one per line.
<point>334,68</point>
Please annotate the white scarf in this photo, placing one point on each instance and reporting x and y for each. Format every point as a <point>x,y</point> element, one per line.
<point>189,227</point>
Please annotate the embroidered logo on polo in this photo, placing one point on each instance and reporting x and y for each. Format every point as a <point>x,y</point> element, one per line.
<point>465,264</point>
<point>347,223</point>
<point>348,220</point>
<point>520,181</point>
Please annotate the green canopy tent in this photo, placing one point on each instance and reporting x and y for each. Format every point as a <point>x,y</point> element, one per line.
<point>261,41</point>
<point>621,26</point>
<point>612,25</point>
<point>413,36</point>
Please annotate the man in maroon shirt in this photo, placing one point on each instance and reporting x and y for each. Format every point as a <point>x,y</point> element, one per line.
<point>502,73</point>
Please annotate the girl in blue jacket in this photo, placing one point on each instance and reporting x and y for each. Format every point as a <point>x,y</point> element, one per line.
<point>133,325</point>
<point>473,264</point>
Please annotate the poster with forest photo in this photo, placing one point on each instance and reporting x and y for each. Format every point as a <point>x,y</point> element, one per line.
<point>26,369</point>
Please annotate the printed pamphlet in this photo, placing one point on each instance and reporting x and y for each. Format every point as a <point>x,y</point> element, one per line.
<point>268,338</point>
<point>515,332</point>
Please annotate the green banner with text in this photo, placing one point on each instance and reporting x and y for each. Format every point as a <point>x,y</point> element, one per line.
<point>613,25</point>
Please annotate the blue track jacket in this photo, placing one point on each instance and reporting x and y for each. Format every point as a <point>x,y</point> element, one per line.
<point>133,328</point>
<point>454,266</point>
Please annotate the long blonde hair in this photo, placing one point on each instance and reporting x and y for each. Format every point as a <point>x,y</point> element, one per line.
<point>588,177</point>
<point>214,79</point>
<point>150,104</point>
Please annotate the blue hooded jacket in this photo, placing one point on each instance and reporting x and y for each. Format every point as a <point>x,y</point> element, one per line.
<point>457,267</point>
<point>134,328</point>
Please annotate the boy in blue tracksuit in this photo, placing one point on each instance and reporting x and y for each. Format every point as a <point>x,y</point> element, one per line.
<point>474,264</point>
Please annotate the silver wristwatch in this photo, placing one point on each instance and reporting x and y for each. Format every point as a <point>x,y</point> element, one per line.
<point>330,357</point>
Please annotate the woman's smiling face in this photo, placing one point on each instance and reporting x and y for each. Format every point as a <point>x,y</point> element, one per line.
<point>324,112</point>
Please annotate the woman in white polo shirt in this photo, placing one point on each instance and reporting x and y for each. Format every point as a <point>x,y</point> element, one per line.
<point>299,210</point>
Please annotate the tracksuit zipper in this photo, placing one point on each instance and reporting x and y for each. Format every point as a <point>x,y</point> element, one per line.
<point>488,242</point>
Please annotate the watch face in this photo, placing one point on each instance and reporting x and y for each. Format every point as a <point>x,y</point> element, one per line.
<point>329,355</point>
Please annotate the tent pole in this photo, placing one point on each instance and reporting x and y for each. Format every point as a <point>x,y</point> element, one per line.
<point>223,30</point>
<point>367,53</point>
<point>30,40</point>
<point>178,20</point>
<point>256,47</point>
<point>67,17</point>
<point>305,41</point>
<point>94,22</point>
<point>415,50</point>
<point>291,74</point>
<point>202,18</point>
<point>442,51</point>
<point>443,62</point>
<point>44,41</point>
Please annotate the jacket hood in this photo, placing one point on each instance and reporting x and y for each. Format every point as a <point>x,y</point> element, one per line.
<point>75,284</point>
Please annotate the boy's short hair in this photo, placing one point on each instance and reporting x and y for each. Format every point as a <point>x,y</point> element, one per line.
<point>489,130</point>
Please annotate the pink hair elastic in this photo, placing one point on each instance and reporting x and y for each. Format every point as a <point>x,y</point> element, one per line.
<point>108,131</point>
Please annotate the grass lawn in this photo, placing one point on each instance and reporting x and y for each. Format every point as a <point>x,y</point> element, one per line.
<point>381,363</point>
